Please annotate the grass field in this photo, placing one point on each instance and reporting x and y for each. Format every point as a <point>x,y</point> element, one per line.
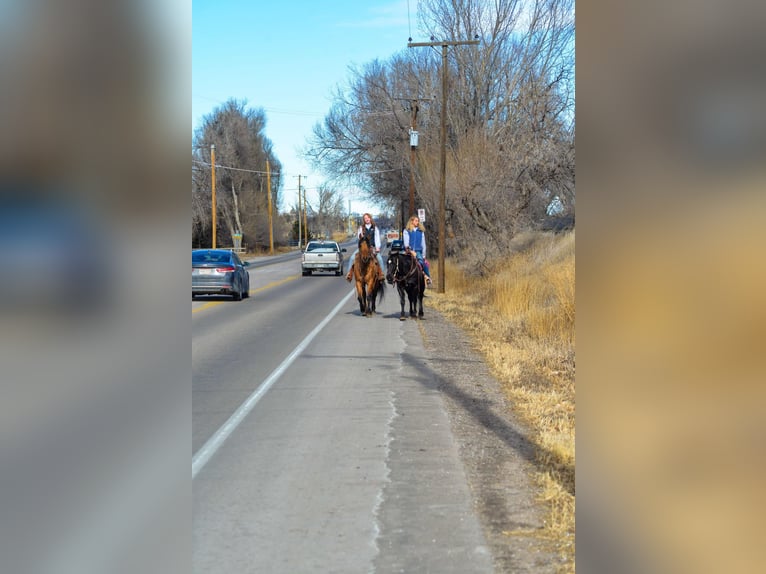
<point>521,317</point>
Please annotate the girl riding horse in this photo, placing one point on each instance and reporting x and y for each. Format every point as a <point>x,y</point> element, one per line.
<point>369,230</point>
<point>406,274</point>
<point>369,284</point>
<point>415,239</point>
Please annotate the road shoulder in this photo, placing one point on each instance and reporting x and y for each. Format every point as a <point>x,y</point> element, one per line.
<point>498,459</point>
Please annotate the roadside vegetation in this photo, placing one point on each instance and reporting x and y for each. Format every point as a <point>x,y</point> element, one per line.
<point>521,316</point>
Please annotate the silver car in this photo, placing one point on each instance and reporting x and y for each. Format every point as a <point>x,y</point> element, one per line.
<point>219,272</point>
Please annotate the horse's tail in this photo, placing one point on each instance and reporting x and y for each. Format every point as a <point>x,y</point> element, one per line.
<point>381,290</point>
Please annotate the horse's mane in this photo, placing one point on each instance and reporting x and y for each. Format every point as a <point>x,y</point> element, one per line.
<point>364,247</point>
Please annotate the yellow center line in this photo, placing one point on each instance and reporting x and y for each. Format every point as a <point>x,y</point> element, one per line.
<point>264,288</point>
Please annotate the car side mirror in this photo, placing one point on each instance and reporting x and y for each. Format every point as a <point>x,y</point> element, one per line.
<point>344,250</point>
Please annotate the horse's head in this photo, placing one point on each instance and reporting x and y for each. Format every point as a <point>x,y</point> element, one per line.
<point>391,267</point>
<point>364,247</point>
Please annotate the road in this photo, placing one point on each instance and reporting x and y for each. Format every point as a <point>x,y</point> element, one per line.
<point>320,443</point>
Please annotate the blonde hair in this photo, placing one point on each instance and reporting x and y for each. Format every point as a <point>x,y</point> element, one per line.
<point>411,227</point>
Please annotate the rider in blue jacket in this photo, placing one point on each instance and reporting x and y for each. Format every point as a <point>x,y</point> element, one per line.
<point>415,240</point>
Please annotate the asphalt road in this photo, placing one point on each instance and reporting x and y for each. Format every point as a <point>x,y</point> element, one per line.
<point>319,441</point>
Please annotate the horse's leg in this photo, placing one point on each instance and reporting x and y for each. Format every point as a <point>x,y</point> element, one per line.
<point>370,303</point>
<point>371,297</point>
<point>400,288</point>
<point>421,292</point>
<point>373,291</point>
<point>360,296</point>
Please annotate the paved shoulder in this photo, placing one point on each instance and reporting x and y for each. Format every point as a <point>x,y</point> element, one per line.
<point>496,455</point>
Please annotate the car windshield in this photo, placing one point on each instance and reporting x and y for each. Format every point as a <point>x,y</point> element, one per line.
<point>322,248</point>
<point>210,257</point>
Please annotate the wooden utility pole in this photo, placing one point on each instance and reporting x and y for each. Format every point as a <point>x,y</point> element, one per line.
<point>212,163</point>
<point>271,220</point>
<point>413,128</point>
<point>305,214</point>
<point>300,215</point>
<point>415,107</point>
<point>443,154</point>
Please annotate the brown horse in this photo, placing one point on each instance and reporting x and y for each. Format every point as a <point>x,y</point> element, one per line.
<point>368,285</point>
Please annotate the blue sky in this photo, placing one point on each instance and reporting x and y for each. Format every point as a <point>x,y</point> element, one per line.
<point>287,57</point>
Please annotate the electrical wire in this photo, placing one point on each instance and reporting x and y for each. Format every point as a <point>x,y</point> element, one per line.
<point>409,25</point>
<point>218,166</point>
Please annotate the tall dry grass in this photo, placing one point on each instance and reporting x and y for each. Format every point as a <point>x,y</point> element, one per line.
<point>521,317</point>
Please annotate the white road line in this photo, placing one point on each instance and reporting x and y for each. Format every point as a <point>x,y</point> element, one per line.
<point>212,445</point>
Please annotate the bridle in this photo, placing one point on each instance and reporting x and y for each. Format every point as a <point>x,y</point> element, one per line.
<point>395,278</point>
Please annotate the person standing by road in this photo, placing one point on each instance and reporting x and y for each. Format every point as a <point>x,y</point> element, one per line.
<point>369,230</point>
<point>414,238</point>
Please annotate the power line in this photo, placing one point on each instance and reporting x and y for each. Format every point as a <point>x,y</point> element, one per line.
<point>218,166</point>
<point>233,168</point>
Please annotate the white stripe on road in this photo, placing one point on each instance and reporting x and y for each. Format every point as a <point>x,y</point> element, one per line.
<point>212,445</point>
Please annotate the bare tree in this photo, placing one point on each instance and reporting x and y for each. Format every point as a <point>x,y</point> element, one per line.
<point>329,215</point>
<point>510,116</point>
<point>241,153</point>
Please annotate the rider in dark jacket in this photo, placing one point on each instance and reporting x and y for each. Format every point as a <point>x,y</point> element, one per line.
<point>370,230</point>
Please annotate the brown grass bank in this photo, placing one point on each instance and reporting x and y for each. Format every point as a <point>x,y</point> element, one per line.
<point>521,317</point>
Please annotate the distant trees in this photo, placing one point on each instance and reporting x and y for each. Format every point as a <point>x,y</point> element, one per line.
<point>510,117</point>
<point>242,150</point>
<point>330,215</point>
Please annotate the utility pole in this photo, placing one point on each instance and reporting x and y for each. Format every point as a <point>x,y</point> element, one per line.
<point>271,220</point>
<point>300,235</point>
<point>415,108</point>
<point>305,214</point>
<point>443,155</point>
<point>413,138</point>
<point>212,163</point>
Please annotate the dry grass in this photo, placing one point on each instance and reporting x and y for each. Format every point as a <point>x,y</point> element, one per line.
<point>522,318</point>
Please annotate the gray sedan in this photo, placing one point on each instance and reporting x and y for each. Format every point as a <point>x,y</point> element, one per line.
<point>219,272</point>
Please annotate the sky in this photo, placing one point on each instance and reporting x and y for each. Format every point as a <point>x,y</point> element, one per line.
<point>288,58</point>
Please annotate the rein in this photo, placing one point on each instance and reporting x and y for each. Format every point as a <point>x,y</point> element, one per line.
<point>403,279</point>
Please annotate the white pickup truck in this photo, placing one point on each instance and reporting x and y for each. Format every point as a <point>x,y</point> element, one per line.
<point>322,256</point>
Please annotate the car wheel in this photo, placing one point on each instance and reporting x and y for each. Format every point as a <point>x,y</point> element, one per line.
<point>237,295</point>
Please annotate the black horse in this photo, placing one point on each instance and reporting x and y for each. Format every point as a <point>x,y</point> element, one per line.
<point>406,274</point>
